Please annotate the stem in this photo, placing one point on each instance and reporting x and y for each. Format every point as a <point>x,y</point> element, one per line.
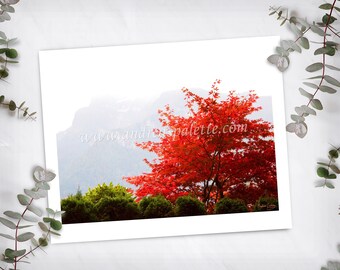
<point>17,230</point>
<point>323,55</point>
<point>337,34</point>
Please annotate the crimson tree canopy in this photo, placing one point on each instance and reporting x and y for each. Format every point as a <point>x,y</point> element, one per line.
<point>214,151</point>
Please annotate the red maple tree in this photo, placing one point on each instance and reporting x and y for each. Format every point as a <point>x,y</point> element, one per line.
<point>214,151</point>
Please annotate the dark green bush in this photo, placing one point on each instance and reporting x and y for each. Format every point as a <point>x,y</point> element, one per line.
<point>228,206</point>
<point>117,208</point>
<point>266,204</point>
<point>155,207</point>
<point>77,210</point>
<point>189,206</point>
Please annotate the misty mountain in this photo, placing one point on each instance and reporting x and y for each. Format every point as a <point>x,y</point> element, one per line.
<point>100,145</point>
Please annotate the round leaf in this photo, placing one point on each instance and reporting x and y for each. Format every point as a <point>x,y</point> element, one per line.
<point>316,104</point>
<point>322,172</point>
<point>25,237</point>
<point>12,106</point>
<point>56,225</point>
<point>11,53</point>
<point>23,199</point>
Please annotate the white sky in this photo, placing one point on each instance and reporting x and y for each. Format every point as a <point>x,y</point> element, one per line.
<point>71,78</point>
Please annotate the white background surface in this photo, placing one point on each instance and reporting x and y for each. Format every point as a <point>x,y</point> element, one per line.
<point>42,25</point>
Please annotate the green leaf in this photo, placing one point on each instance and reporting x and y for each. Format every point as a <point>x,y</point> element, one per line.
<point>10,253</point>
<point>35,210</point>
<point>30,218</point>
<point>335,168</point>
<point>322,172</point>
<point>331,176</point>
<point>323,164</point>
<point>317,30</point>
<point>7,236</point>
<point>11,214</point>
<point>56,225</point>
<point>332,67</point>
<point>41,174</point>
<point>307,110</point>
<point>59,213</point>
<point>21,105</point>
<point>8,223</point>
<point>294,46</point>
<point>329,185</point>
<point>43,242</point>
<point>32,194</point>
<point>325,50</point>
<point>3,73</point>
<point>312,85</point>
<point>25,226</point>
<point>3,35</point>
<point>43,226</point>
<point>326,6</point>
<point>50,211</point>
<point>295,30</point>
<point>23,199</point>
<point>333,153</point>
<point>327,89</point>
<point>43,185</point>
<point>55,233</point>
<point>327,19</point>
<point>11,53</point>
<point>304,42</point>
<point>12,106</point>
<point>2,99</point>
<point>315,77</point>
<point>316,104</point>
<point>297,118</point>
<point>47,219</point>
<point>331,80</point>
<point>305,93</point>
<point>314,67</point>
<point>34,242</point>
<point>320,183</point>
<point>25,237</point>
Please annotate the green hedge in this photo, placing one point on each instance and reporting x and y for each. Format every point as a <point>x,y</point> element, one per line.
<point>229,206</point>
<point>189,206</point>
<point>266,204</point>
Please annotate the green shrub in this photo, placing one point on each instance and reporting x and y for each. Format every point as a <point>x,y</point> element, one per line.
<point>77,210</point>
<point>117,208</point>
<point>155,207</point>
<point>266,204</point>
<point>99,192</point>
<point>228,206</point>
<point>189,206</point>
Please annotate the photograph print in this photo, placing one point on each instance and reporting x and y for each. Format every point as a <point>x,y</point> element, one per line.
<point>166,133</point>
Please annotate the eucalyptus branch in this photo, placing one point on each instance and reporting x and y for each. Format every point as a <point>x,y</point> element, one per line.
<point>329,170</point>
<point>21,109</point>
<point>48,225</point>
<point>325,82</point>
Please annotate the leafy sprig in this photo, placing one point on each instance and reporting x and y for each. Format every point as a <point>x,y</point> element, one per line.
<point>322,82</point>
<point>30,216</point>
<point>22,110</point>
<point>328,170</point>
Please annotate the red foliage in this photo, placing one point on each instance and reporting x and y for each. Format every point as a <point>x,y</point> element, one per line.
<point>214,151</point>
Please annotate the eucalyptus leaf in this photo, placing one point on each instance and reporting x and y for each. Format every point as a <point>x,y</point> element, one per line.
<point>311,85</point>
<point>12,106</point>
<point>291,127</point>
<point>43,242</point>
<point>56,225</point>
<point>30,218</point>
<point>11,214</point>
<point>23,199</point>
<point>332,67</point>
<point>55,233</point>
<point>333,153</point>
<point>7,236</point>
<point>327,89</point>
<point>294,46</point>
<point>305,93</point>
<point>314,67</point>
<point>32,194</point>
<point>328,19</point>
<point>297,118</point>
<point>43,226</point>
<point>303,22</point>
<point>319,183</point>
<point>34,242</point>
<point>331,176</point>
<point>10,253</point>
<point>335,168</point>
<point>41,174</point>
<point>50,211</point>
<point>42,185</point>
<point>323,164</point>
<point>308,110</point>
<point>316,104</point>
<point>332,81</point>
<point>322,172</point>
<point>3,35</point>
<point>326,6</point>
<point>8,223</point>
<point>317,30</point>
<point>329,185</point>
<point>35,210</point>
<point>25,237</point>
<point>295,30</point>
